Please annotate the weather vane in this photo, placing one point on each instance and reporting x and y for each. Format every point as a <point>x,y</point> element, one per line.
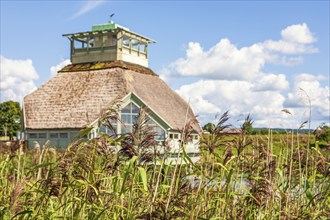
<point>112,15</point>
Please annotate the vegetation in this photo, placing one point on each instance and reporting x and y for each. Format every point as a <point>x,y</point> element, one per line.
<point>10,118</point>
<point>238,177</point>
<point>322,133</point>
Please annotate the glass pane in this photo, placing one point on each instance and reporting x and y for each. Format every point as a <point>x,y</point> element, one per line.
<point>126,41</point>
<point>77,44</point>
<point>33,135</point>
<point>126,129</point>
<point>42,135</point>
<point>126,119</point>
<point>135,109</point>
<point>53,135</point>
<point>135,44</point>
<point>142,47</point>
<point>134,118</point>
<point>102,129</point>
<point>63,135</point>
<point>111,131</point>
<point>127,109</point>
<point>160,133</point>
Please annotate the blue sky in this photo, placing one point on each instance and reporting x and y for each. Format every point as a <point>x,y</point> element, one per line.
<point>242,56</point>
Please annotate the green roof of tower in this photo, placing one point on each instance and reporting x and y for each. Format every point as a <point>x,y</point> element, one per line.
<point>108,26</point>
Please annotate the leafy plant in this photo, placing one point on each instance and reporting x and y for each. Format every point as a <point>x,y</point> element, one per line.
<point>10,118</point>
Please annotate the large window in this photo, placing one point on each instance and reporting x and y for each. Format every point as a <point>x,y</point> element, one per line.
<point>157,129</point>
<point>129,115</point>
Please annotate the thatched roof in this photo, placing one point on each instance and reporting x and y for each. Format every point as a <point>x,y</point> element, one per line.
<point>75,98</point>
<point>107,65</point>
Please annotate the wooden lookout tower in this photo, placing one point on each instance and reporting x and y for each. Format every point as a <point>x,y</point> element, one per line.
<point>109,42</point>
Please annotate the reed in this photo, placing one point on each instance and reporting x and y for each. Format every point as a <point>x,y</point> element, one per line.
<point>238,177</point>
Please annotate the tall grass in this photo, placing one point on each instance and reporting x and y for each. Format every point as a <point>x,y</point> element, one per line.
<point>237,177</point>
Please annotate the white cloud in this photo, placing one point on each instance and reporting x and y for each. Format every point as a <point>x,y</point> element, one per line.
<point>226,77</point>
<point>17,78</point>
<point>298,33</point>
<point>56,68</point>
<point>287,47</point>
<point>296,39</point>
<point>226,61</point>
<point>208,97</point>
<point>223,61</point>
<point>271,82</point>
<point>88,6</point>
<point>306,87</point>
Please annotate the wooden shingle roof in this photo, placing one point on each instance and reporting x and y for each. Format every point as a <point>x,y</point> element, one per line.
<point>77,95</point>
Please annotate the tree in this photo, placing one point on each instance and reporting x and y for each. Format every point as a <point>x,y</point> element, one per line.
<point>322,133</point>
<point>10,118</point>
<point>210,127</point>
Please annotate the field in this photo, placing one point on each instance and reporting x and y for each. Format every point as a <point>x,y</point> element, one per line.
<point>238,177</point>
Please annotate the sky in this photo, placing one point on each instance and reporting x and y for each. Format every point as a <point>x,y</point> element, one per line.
<point>254,58</point>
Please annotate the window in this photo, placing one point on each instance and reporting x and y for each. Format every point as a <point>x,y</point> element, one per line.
<point>33,135</point>
<point>53,135</point>
<point>160,133</point>
<point>42,135</point>
<point>63,135</point>
<point>126,41</point>
<point>174,136</point>
<point>135,44</point>
<point>77,44</point>
<point>143,48</point>
<point>103,129</point>
<point>91,42</point>
<point>129,116</point>
<point>157,129</point>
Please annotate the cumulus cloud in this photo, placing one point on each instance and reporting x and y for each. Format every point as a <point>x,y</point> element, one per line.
<point>87,6</point>
<point>298,33</point>
<point>56,68</point>
<point>271,82</point>
<point>287,47</point>
<point>296,39</point>
<point>208,97</point>
<point>307,88</point>
<point>226,61</point>
<point>226,77</point>
<point>17,78</point>
<point>223,61</point>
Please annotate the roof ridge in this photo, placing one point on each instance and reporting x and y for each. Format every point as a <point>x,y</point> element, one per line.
<point>107,65</point>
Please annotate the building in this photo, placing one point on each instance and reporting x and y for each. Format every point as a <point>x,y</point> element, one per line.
<point>108,63</point>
